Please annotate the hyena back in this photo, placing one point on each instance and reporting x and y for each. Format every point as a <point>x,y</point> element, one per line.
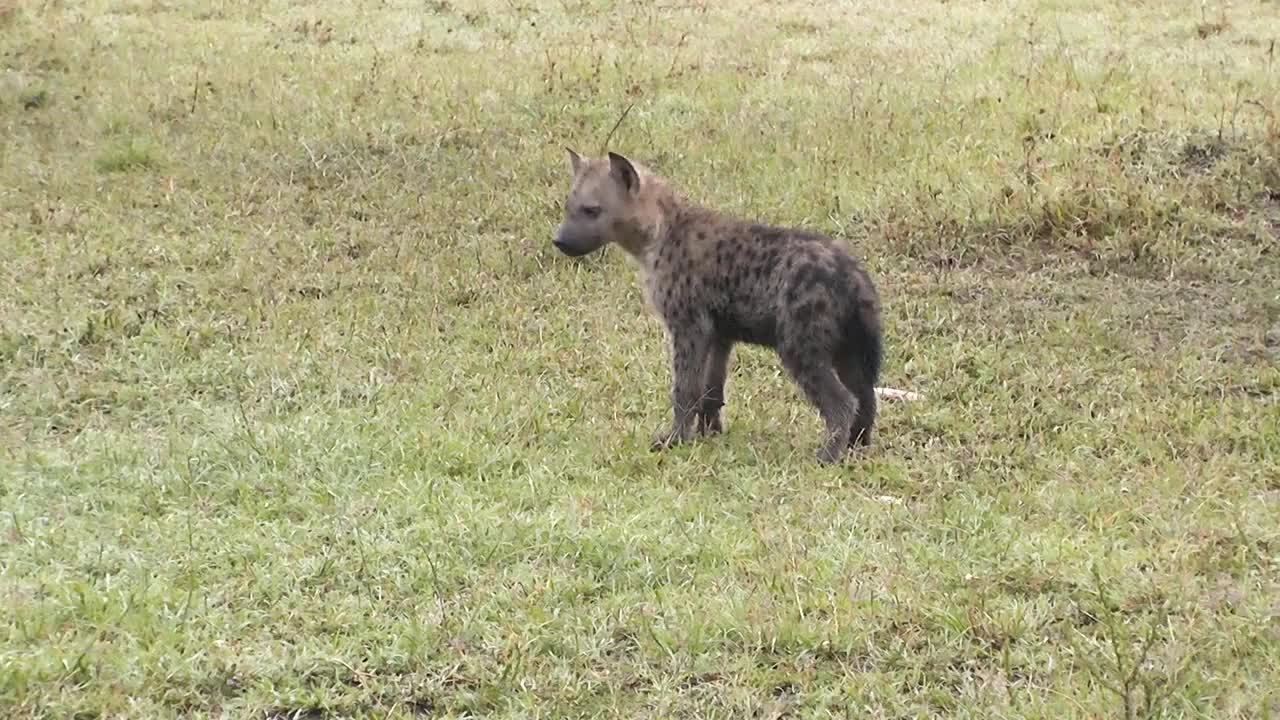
<point>716,281</point>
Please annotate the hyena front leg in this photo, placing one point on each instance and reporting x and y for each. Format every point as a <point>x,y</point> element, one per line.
<point>689,349</point>
<point>717,370</point>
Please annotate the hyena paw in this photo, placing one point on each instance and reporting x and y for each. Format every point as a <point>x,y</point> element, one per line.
<point>860,438</point>
<point>830,454</point>
<point>661,441</point>
<point>710,424</point>
<point>667,439</point>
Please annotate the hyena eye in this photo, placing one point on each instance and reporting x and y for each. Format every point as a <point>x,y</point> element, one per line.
<point>591,210</point>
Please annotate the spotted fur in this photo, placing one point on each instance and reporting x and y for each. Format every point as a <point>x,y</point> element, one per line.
<point>716,281</point>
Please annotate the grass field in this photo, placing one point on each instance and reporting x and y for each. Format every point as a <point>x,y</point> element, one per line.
<point>301,415</point>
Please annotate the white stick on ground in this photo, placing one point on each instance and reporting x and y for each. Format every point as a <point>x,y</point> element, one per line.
<point>887,393</point>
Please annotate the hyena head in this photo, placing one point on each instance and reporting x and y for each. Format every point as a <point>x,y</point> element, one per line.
<point>603,205</point>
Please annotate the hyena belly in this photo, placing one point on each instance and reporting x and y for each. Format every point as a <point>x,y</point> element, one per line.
<point>743,312</point>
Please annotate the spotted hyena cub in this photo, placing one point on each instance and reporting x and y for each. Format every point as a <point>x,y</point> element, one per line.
<point>716,281</point>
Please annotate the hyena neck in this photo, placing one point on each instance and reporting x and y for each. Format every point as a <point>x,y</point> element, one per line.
<point>657,210</point>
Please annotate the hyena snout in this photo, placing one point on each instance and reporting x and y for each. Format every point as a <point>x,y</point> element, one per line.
<point>574,244</point>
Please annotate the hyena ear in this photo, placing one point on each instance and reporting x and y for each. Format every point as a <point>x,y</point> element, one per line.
<point>622,169</point>
<point>575,161</point>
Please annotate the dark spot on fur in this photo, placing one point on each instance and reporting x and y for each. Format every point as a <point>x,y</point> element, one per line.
<point>766,233</point>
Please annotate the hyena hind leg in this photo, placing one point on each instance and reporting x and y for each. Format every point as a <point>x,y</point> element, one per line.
<point>837,406</point>
<point>854,378</point>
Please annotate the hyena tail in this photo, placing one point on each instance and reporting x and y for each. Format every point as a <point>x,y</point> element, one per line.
<point>864,346</point>
<point>858,365</point>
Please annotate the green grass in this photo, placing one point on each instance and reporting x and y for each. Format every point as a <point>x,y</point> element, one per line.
<point>301,416</point>
<point>124,156</point>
